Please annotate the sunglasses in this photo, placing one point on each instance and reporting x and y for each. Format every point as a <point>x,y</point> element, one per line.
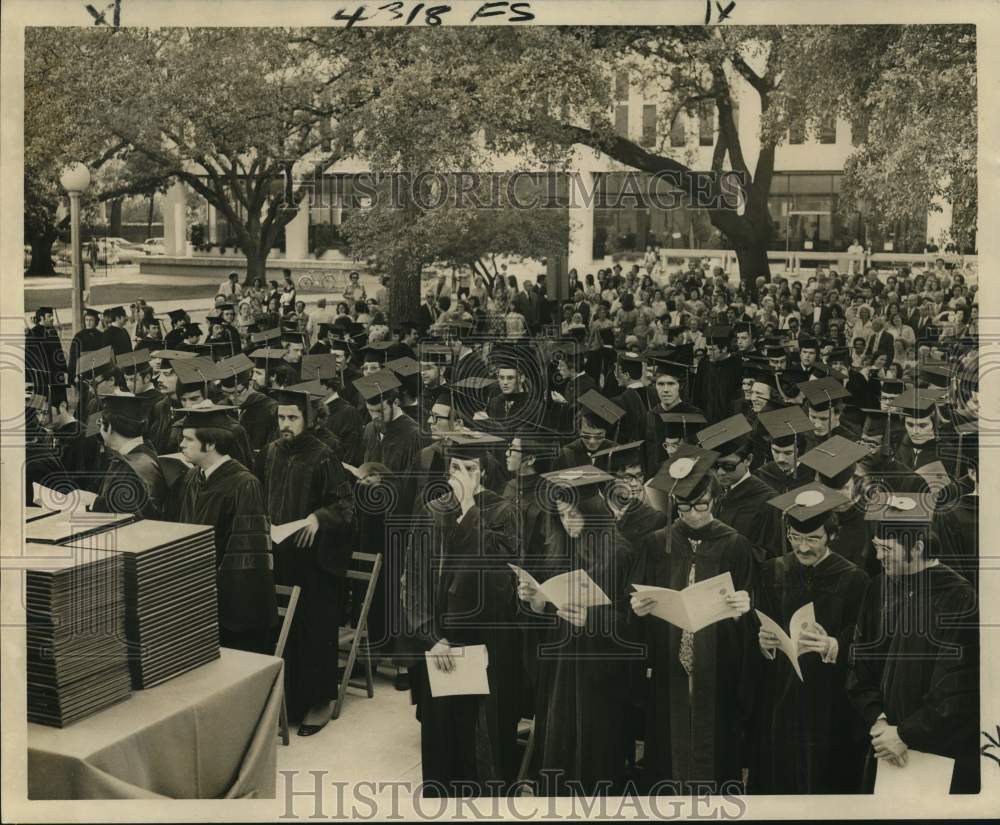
<point>698,507</point>
<point>727,466</point>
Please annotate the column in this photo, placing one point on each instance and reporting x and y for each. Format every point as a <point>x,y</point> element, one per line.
<point>581,222</point>
<point>297,234</point>
<point>939,223</point>
<point>213,225</point>
<point>175,221</point>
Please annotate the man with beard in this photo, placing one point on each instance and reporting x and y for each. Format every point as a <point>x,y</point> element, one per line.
<point>134,481</point>
<point>137,375</point>
<point>265,360</point>
<point>916,689</point>
<point>391,437</point>
<point>669,375</point>
<point>718,381</point>
<point>218,490</point>
<point>697,708</point>
<point>743,496</point>
<point>807,739</point>
<point>303,480</point>
<point>624,497</point>
<point>786,428</point>
<point>824,405</point>
<point>257,412</point>
<point>336,415</point>
<point>88,339</point>
<point>598,418</point>
<point>459,592</point>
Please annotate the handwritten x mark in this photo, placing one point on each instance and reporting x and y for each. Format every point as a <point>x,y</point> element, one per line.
<point>101,18</point>
<point>723,12</point>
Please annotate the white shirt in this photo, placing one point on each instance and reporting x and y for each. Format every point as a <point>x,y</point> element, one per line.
<point>209,470</point>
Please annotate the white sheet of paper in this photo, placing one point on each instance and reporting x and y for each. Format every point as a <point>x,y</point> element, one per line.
<point>52,500</point>
<point>280,532</point>
<point>789,644</point>
<point>695,607</point>
<point>575,587</point>
<point>925,774</point>
<point>354,471</point>
<point>467,678</point>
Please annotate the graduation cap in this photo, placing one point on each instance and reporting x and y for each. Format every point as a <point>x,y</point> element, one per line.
<point>727,436</point>
<point>313,388</point>
<point>619,458</point>
<point>324,330</point>
<point>822,392</point>
<point>744,326</point>
<point>372,387</point>
<point>292,337</point>
<point>718,335</point>
<point>834,460</point>
<point>128,406</point>
<point>226,307</point>
<point>435,354</point>
<point>808,343</point>
<point>679,425</point>
<point>230,368</point>
<point>890,386</point>
<point>292,396</point>
<point>937,375</point>
<point>320,367</point>
<point>265,335</point>
<point>176,316</point>
<point>376,353</point>
<point>468,446</point>
<point>775,350</point>
<point>130,362</point>
<point>569,351</point>
<point>582,482</point>
<point>192,331</point>
<point>214,318</point>
<point>893,508</point>
<point>91,365</point>
<point>459,328</point>
<point>915,402</point>
<point>196,371</point>
<point>117,312</point>
<point>785,425</point>
<point>839,355</point>
<point>685,475</point>
<point>601,412</point>
<point>217,416</point>
<point>404,367</point>
<point>263,357</point>
<point>215,350</point>
<point>807,508</point>
<point>664,362</point>
<point>337,345</point>
<point>93,313</point>
<point>631,363</point>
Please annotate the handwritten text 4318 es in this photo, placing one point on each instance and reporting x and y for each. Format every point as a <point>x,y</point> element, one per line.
<point>429,14</point>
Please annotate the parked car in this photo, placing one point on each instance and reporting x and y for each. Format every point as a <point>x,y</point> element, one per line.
<point>128,251</point>
<point>155,246</point>
<point>107,252</point>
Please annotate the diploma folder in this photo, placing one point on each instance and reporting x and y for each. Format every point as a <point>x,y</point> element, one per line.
<point>788,643</point>
<point>468,677</point>
<point>695,607</point>
<point>923,775</point>
<point>574,587</point>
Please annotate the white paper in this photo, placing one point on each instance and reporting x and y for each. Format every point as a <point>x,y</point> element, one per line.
<point>575,587</point>
<point>177,457</point>
<point>468,676</point>
<point>52,500</point>
<point>280,532</point>
<point>695,607</point>
<point>925,774</point>
<point>788,643</point>
<point>354,471</point>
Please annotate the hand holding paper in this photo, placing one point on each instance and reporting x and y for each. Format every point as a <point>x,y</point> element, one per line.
<point>703,603</point>
<point>922,775</point>
<point>574,588</point>
<point>466,674</point>
<point>280,532</point>
<point>789,643</point>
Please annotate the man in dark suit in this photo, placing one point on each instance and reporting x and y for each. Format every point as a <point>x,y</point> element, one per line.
<point>527,302</point>
<point>580,305</point>
<point>820,315</point>
<point>880,342</point>
<point>427,313</point>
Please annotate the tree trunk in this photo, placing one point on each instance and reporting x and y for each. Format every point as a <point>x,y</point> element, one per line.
<point>41,254</point>
<point>116,218</point>
<point>149,215</point>
<point>404,295</point>
<point>256,267</point>
<point>753,264</point>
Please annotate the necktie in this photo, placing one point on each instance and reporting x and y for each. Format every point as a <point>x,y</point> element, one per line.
<point>508,405</point>
<point>686,651</point>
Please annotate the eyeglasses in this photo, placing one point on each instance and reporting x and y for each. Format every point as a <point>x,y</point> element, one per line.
<point>698,506</point>
<point>434,418</point>
<point>512,450</point>
<point>727,466</point>
<point>805,541</point>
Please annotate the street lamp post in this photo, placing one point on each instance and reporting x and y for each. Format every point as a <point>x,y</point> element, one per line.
<point>75,179</point>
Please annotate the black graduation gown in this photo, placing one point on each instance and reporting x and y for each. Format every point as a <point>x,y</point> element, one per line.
<point>344,422</point>
<point>159,420</point>
<point>86,340</point>
<point>118,339</point>
<point>459,588</point>
<point>301,476</point>
<point>45,361</point>
<point>717,384</point>
<point>562,417</point>
<point>70,445</point>
<point>524,414</point>
<point>634,400</point>
<point>780,481</point>
<point>656,431</point>
<point>958,530</point>
<point>745,509</point>
<point>854,540</point>
<point>926,683</point>
<point>583,672</point>
<point>913,457</point>
<point>134,483</point>
<point>259,417</point>
<point>575,454</point>
<point>719,705</point>
<point>42,464</point>
<point>395,447</point>
<point>807,738</point>
<point>174,339</point>
<point>231,490</point>
<point>639,521</point>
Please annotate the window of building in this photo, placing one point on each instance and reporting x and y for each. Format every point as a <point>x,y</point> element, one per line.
<point>706,123</point>
<point>621,120</point>
<point>621,85</point>
<point>649,125</point>
<point>678,133</point>
<point>828,129</point>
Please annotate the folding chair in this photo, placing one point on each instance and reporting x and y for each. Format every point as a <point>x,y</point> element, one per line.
<point>352,640</point>
<point>288,599</point>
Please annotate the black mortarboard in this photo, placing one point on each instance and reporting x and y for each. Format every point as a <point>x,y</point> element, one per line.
<point>685,474</point>
<point>338,345</point>
<point>727,436</point>
<point>807,508</point>
<point>230,368</point>
<point>192,331</point>
<point>600,410</point>
<point>373,386</point>
<point>631,363</point>
<point>435,354</point>
<point>196,371</point>
<point>468,446</point>
<point>289,396</point>
<point>744,326</point>
<point>681,425</point>
<point>585,479</point>
<point>808,343</point>
<point>93,313</point>
<point>214,317</point>
<point>313,388</point>
<point>264,357</point>
<point>209,415</point>
<point>377,352</point>
<point>225,307</point>
<point>937,375</point>
<point>118,312</point>
<point>890,386</point>
<point>292,337</point>
<point>176,315</point>
<point>823,392</point>
<point>166,356</point>
<point>915,402</point>
<point>783,425</point>
<point>265,335</point>
<point>620,457</point>
<point>92,364</point>
<point>320,367</point>
<point>215,350</point>
<point>324,330</point>
<point>718,335</point>
<point>126,405</point>
<point>834,460</point>
<point>775,351</point>
<point>129,362</point>
<point>404,367</point>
